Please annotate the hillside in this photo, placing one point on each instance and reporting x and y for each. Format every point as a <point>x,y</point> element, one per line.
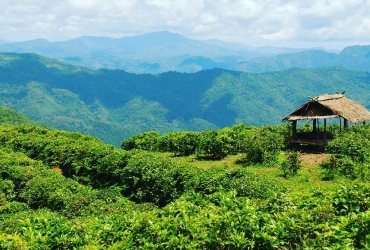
<point>114,104</point>
<point>62,190</point>
<point>9,116</point>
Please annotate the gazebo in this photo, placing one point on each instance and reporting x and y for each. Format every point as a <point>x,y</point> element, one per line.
<point>325,107</point>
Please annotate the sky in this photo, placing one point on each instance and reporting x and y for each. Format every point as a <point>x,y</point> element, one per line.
<point>331,24</point>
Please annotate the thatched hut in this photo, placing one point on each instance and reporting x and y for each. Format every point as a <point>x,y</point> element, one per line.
<point>325,107</point>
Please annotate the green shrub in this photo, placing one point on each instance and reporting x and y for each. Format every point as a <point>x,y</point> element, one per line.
<point>13,241</point>
<point>341,166</point>
<point>208,181</point>
<point>215,144</point>
<point>145,141</point>
<point>264,145</point>
<point>358,228</point>
<point>41,229</point>
<point>52,190</point>
<point>179,143</point>
<point>291,164</point>
<point>241,180</point>
<point>238,133</point>
<point>7,189</point>
<point>13,207</point>
<point>353,143</point>
<point>353,199</point>
<point>250,185</point>
<point>150,177</point>
<point>83,158</point>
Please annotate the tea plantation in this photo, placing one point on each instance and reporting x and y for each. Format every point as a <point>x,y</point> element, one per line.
<point>63,190</point>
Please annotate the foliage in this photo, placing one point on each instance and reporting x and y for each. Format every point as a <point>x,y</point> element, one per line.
<point>84,158</point>
<point>351,157</point>
<point>149,177</point>
<point>214,144</point>
<point>173,205</point>
<point>264,145</point>
<point>352,143</point>
<point>145,141</point>
<point>353,199</point>
<point>291,164</point>
<point>179,143</point>
<point>341,166</point>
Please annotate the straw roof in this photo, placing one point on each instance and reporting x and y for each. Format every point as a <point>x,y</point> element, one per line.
<point>330,106</point>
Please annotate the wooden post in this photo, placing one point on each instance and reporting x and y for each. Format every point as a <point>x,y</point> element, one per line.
<point>314,125</point>
<point>324,130</point>
<point>294,124</point>
<point>345,123</point>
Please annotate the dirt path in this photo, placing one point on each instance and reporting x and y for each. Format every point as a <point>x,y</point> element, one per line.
<point>313,159</point>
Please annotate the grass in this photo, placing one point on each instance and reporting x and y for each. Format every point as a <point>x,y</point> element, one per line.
<point>230,162</point>
<point>308,178</point>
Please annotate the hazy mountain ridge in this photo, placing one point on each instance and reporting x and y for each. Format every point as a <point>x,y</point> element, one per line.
<point>114,104</point>
<point>155,52</point>
<point>353,57</point>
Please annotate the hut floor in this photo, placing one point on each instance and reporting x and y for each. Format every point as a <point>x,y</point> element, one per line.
<point>313,142</point>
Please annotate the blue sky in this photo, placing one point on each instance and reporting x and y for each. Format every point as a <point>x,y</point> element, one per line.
<point>284,23</point>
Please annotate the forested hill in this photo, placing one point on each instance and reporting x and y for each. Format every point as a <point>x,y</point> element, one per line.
<point>114,104</point>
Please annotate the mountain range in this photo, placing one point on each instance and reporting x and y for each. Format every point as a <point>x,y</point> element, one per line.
<point>156,52</point>
<point>353,57</point>
<point>114,104</point>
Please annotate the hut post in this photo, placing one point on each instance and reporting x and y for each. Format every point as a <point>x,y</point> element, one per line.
<point>314,125</point>
<point>325,130</point>
<point>345,123</point>
<point>294,127</point>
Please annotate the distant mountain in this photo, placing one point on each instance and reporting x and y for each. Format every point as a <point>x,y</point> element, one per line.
<point>353,57</point>
<point>149,53</point>
<point>115,104</point>
<point>2,41</point>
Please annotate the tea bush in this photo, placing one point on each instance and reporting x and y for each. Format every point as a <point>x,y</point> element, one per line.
<point>215,144</point>
<point>263,145</point>
<point>291,164</point>
<point>353,143</point>
<point>353,199</point>
<point>145,141</point>
<point>149,177</point>
<point>179,143</point>
<point>350,149</point>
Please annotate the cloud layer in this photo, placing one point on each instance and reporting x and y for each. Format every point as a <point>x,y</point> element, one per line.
<point>327,23</point>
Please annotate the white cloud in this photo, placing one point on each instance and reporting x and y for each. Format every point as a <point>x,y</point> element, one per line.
<point>264,22</point>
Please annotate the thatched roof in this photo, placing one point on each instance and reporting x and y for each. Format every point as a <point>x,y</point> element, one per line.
<point>330,106</point>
